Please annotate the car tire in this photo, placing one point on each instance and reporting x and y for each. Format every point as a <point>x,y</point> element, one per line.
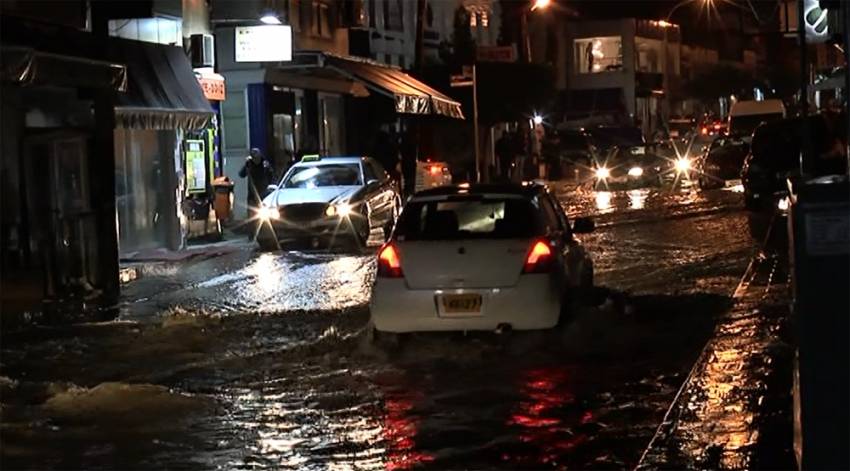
<point>386,340</point>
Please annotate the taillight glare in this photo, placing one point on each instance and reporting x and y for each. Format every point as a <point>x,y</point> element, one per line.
<point>539,259</point>
<point>389,263</point>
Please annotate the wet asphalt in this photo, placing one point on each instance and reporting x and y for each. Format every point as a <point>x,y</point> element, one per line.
<point>257,360</point>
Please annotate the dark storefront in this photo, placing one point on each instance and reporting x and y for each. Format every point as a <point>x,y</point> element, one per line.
<point>58,227</point>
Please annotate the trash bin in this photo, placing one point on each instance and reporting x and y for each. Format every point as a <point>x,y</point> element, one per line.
<point>222,202</point>
<point>819,249</point>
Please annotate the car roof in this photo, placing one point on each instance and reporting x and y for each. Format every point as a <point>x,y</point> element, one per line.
<point>526,189</point>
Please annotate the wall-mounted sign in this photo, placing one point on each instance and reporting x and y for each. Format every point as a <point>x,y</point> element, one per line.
<point>267,43</point>
<point>496,54</point>
<point>213,86</point>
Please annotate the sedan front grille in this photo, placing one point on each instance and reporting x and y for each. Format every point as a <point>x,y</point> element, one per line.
<point>303,211</point>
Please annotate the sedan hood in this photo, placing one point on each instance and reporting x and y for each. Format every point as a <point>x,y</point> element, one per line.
<point>328,194</point>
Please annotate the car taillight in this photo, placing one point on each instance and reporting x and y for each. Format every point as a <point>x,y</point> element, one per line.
<point>389,263</point>
<point>539,259</point>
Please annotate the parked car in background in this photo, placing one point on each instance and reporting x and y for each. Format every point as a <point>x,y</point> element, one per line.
<point>681,128</point>
<point>430,174</point>
<point>722,161</point>
<point>479,257</point>
<point>746,116</point>
<point>775,153</point>
<point>328,198</point>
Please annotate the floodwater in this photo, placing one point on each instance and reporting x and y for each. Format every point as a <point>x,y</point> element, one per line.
<point>263,360</point>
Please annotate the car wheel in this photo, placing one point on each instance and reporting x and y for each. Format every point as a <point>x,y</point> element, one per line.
<point>361,234</point>
<point>386,340</point>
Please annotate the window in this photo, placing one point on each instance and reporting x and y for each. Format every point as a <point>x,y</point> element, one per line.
<point>485,19</point>
<point>321,25</point>
<point>394,15</point>
<point>234,121</point>
<point>473,20</point>
<point>594,55</point>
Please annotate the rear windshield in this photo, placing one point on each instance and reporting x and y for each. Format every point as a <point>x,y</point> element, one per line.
<point>470,218</point>
<point>573,141</point>
<point>620,137</point>
<point>746,124</point>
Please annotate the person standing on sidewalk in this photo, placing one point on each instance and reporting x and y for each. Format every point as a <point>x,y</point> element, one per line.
<point>504,152</point>
<point>258,171</point>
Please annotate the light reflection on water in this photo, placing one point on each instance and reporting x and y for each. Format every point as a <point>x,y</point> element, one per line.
<point>603,202</point>
<point>637,198</point>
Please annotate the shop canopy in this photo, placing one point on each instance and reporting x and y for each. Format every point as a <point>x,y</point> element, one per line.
<point>162,91</point>
<point>28,66</point>
<point>410,95</point>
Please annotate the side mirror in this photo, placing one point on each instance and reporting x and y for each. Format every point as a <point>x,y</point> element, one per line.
<point>583,226</point>
<point>372,182</point>
<point>271,188</point>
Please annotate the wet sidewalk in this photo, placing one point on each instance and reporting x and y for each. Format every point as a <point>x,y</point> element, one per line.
<point>135,265</point>
<point>734,409</point>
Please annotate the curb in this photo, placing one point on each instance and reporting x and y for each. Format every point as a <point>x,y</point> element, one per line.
<point>671,420</point>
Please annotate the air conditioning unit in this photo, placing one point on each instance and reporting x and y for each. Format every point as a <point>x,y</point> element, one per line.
<point>202,50</point>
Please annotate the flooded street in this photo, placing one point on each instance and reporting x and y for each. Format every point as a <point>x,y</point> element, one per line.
<point>257,360</point>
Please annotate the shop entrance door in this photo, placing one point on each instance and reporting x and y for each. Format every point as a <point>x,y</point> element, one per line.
<point>60,211</point>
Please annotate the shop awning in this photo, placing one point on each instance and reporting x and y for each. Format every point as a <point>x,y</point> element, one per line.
<point>410,95</point>
<point>162,91</point>
<point>27,66</point>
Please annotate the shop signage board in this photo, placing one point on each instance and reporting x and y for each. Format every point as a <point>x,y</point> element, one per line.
<point>496,54</point>
<point>213,87</point>
<point>267,43</point>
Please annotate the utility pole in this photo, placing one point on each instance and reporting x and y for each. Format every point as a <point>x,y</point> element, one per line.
<point>804,86</point>
<point>421,11</point>
<point>845,12</point>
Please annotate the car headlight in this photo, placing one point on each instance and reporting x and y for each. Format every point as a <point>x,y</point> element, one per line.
<point>266,213</point>
<point>341,210</point>
<point>635,172</point>
<point>602,173</point>
<point>683,164</point>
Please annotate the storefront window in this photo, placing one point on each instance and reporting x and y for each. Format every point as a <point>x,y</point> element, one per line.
<point>602,54</point>
<point>331,125</point>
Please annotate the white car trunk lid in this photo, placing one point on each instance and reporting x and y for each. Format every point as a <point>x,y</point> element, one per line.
<point>471,263</point>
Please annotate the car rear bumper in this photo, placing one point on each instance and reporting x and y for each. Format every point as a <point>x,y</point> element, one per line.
<point>534,303</point>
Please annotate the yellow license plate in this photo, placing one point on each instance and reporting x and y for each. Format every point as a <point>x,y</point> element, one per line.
<point>461,303</point>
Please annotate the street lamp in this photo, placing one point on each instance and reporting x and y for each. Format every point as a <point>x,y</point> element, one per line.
<point>526,41</point>
<point>540,4</point>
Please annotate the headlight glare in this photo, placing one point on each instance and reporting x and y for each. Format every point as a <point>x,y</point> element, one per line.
<point>635,172</point>
<point>266,213</point>
<point>602,173</point>
<point>683,164</point>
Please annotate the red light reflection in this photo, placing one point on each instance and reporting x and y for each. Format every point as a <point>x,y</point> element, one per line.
<point>400,428</point>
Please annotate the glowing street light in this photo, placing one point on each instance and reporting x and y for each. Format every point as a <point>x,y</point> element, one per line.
<point>538,119</point>
<point>270,18</point>
<point>540,4</point>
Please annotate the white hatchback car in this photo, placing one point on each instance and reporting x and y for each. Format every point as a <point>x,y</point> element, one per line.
<point>479,257</point>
